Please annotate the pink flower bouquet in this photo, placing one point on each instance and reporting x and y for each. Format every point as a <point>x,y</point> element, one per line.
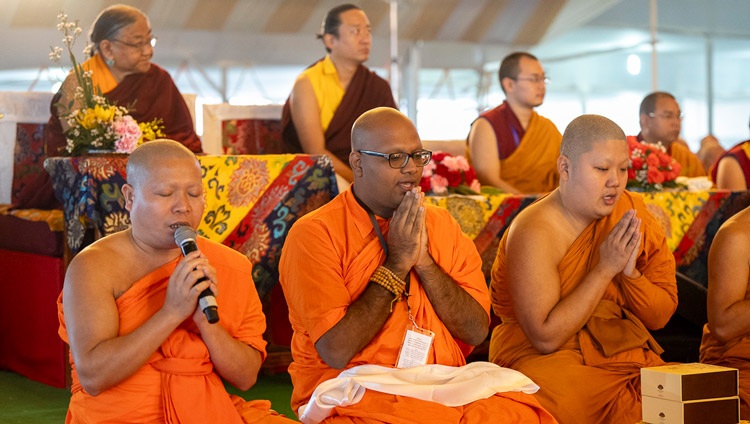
<point>448,174</point>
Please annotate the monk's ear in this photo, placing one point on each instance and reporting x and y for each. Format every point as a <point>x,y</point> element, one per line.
<point>328,41</point>
<point>563,167</point>
<point>506,84</point>
<point>355,162</point>
<point>128,193</point>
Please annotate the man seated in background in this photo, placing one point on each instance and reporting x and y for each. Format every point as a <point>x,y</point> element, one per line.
<point>732,170</point>
<point>330,94</point>
<point>377,278</point>
<point>511,146</point>
<point>141,348</point>
<point>726,337</point>
<point>661,121</point>
<point>579,279</point>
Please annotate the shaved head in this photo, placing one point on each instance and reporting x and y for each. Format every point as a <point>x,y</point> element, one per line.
<point>148,156</point>
<point>584,131</point>
<point>374,126</point>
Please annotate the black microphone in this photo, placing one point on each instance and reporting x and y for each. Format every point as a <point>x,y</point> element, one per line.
<point>185,238</point>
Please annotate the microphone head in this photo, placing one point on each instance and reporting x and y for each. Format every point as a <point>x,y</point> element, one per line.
<point>183,234</point>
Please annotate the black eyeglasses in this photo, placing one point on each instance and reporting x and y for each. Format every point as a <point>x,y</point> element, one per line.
<point>400,159</point>
<point>138,46</point>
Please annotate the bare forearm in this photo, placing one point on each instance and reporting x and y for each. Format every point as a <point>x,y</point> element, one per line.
<point>363,319</point>
<point>234,360</point>
<point>462,315</point>
<point>732,322</point>
<point>113,360</point>
<point>570,313</point>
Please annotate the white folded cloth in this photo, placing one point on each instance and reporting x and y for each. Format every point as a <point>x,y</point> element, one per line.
<point>449,386</point>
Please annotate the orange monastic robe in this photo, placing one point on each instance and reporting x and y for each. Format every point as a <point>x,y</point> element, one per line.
<point>532,165</point>
<point>578,383</point>
<point>178,383</point>
<point>691,165</point>
<point>326,264</point>
<point>733,354</point>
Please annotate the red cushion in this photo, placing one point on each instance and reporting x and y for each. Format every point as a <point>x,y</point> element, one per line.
<point>29,344</point>
<point>27,236</point>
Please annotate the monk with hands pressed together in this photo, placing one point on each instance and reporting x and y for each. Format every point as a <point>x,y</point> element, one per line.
<point>580,276</point>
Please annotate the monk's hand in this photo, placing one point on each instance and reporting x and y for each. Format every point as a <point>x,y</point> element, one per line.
<point>630,270</point>
<point>404,233</point>
<point>424,260</point>
<point>621,247</point>
<point>183,288</point>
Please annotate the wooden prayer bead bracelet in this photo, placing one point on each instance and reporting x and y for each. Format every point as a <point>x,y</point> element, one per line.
<point>385,278</point>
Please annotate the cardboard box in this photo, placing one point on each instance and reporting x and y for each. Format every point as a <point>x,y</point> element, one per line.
<point>686,382</point>
<point>714,411</point>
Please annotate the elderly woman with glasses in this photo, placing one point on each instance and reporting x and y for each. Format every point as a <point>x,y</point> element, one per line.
<point>120,61</point>
<point>121,69</point>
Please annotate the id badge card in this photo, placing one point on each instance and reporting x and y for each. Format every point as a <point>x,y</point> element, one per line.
<point>416,346</point>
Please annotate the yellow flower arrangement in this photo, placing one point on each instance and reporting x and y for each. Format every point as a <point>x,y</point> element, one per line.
<point>96,125</point>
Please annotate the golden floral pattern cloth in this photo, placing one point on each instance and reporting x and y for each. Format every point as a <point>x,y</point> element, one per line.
<point>690,220</point>
<point>251,200</point>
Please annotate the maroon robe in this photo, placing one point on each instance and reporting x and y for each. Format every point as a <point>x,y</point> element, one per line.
<point>508,129</point>
<point>739,154</point>
<point>147,96</point>
<point>366,91</point>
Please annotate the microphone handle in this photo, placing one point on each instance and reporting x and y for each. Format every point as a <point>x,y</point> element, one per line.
<point>207,302</point>
<point>206,299</point>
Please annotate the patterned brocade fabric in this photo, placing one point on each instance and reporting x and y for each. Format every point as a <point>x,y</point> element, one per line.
<point>251,136</point>
<point>251,201</point>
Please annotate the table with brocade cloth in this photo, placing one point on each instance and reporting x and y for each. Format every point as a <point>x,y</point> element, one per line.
<point>690,220</point>
<point>251,200</point>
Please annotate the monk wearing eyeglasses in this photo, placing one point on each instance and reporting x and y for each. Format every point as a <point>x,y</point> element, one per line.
<point>661,121</point>
<point>579,278</point>
<point>386,298</point>
<point>511,146</point>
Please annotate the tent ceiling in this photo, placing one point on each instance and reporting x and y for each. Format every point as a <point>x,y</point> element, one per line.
<point>453,33</point>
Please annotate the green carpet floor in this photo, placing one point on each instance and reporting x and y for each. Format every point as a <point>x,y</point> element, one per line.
<point>23,401</point>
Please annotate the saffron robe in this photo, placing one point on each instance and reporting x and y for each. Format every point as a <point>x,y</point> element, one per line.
<point>741,153</point>
<point>326,264</point>
<point>366,91</point>
<point>734,354</point>
<point>528,159</point>
<point>611,390</point>
<point>691,164</point>
<point>178,383</point>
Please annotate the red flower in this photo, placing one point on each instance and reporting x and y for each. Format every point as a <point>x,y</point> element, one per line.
<point>424,184</point>
<point>637,163</point>
<point>655,176</point>
<point>438,156</point>
<point>447,171</point>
